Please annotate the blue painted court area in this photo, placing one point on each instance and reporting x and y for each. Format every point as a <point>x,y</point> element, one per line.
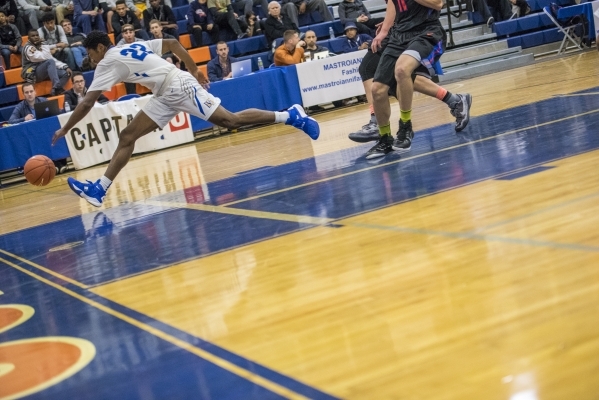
<point>117,243</point>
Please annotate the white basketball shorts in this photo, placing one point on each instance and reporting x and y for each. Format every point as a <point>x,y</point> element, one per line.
<point>184,93</point>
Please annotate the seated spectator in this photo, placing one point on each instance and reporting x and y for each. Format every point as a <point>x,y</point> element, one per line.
<point>75,42</point>
<point>123,16</point>
<point>254,28</point>
<point>88,16</point>
<point>164,15</point>
<point>355,11</point>
<point>9,8</point>
<point>77,93</point>
<point>354,40</point>
<point>39,64</point>
<point>291,52</point>
<point>32,11</point>
<point>52,34</point>
<point>520,8</point>
<point>224,17</point>
<point>199,19</point>
<point>276,24</point>
<point>109,8</point>
<point>128,36</point>
<point>292,8</point>
<point>249,4</point>
<point>157,33</point>
<point>62,9</point>
<point>10,39</point>
<point>24,111</point>
<point>219,67</point>
<point>311,46</point>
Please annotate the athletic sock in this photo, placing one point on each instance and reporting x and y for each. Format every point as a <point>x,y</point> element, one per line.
<point>405,116</point>
<point>385,129</point>
<point>450,99</point>
<point>105,182</point>
<point>282,116</point>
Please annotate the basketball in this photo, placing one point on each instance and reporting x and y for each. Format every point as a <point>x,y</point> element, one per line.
<point>39,170</point>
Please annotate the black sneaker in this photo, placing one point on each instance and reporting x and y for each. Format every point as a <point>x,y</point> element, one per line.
<point>382,147</point>
<point>405,135</point>
<point>461,111</point>
<point>368,133</point>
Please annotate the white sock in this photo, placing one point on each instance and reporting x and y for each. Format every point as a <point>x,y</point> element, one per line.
<point>282,116</point>
<point>105,182</point>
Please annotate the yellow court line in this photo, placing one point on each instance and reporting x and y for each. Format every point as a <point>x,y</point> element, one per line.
<point>46,270</point>
<point>406,159</point>
<point>224,364</point>
<point>302,219</point>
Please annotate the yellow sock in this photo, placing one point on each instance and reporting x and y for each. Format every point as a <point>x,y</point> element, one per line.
<point>405,116</point>
<point>385,129</point>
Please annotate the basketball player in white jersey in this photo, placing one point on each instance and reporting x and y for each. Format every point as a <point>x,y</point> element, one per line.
<point>174,91</point>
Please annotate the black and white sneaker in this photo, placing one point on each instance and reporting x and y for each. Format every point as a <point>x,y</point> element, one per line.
<point>405,135</point>
<point>382,147</point>
<point>368,133</point>
<point>461,111</point>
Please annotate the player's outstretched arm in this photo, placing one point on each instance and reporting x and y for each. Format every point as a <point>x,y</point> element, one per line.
<point>175,47</point>
<point>80,112</point>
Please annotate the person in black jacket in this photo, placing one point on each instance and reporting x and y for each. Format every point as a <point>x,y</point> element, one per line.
<point>9,7</point>
<point>123,16</point>
<point>276,24</point>
<point>164,14</point>
<point>10,39</point>
<point>292,8</point>
<point>199,19</point>
<point>77,93</point>
<point>355,11</point>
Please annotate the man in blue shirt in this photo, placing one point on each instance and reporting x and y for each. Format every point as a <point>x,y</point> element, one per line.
<point>24,111</point>
<point>354,40</point>
<point>219,67</point>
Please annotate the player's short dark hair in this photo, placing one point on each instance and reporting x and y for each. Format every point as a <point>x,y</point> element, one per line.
<point>47,17</point>
<point>120,2</point>
<point>289,34</point>
<point>95,38</point>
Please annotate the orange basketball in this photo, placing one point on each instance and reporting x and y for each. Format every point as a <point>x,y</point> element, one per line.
<point>39,170</point>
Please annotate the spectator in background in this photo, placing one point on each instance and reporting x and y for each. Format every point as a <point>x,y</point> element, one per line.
<point>157,33</point>
<point>164,15</point>
<point>75,42</point>
<point>39,64</point>
<point>9,8</point>
<point>128,35</point>
<point>10,39</point>
<point>292,8</point>
<point>77,93</point>
<point>219,67</point>
<point>63,8</point>
<point>52,34</point>
<point>354,40</point>
<point>249,4</point>
<point>520,8</point>
<point>88,15</point>
<point>355,11</point>
<point>291,52</point>
<point>24,111</point>
<point>311,46</point>
<point>122,17</point>
<point>224,17</point>
<point>276,24</point>
<point>502,9</point>
<point>254,28</point>
<point>199,19</point>
<point>32,11</point>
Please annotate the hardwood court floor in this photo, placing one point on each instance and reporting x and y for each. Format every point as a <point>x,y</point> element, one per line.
<point>262,265</point>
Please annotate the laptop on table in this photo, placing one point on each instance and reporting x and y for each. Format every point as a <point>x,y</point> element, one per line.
<point>46,109</point>
<point>241,68</point>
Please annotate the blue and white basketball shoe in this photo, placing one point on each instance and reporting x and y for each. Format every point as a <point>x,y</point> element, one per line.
<point>92,192</point>
<point>298,119</point>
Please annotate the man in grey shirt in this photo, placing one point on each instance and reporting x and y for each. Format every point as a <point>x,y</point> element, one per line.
<point>33,11</point>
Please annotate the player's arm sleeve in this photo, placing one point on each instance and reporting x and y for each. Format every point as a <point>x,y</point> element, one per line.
<point>108,75</point>
<point>156,46</point>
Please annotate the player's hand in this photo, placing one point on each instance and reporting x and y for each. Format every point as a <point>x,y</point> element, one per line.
<point>57,135</point>
<point>201,78</point>
<point>377,41</point>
